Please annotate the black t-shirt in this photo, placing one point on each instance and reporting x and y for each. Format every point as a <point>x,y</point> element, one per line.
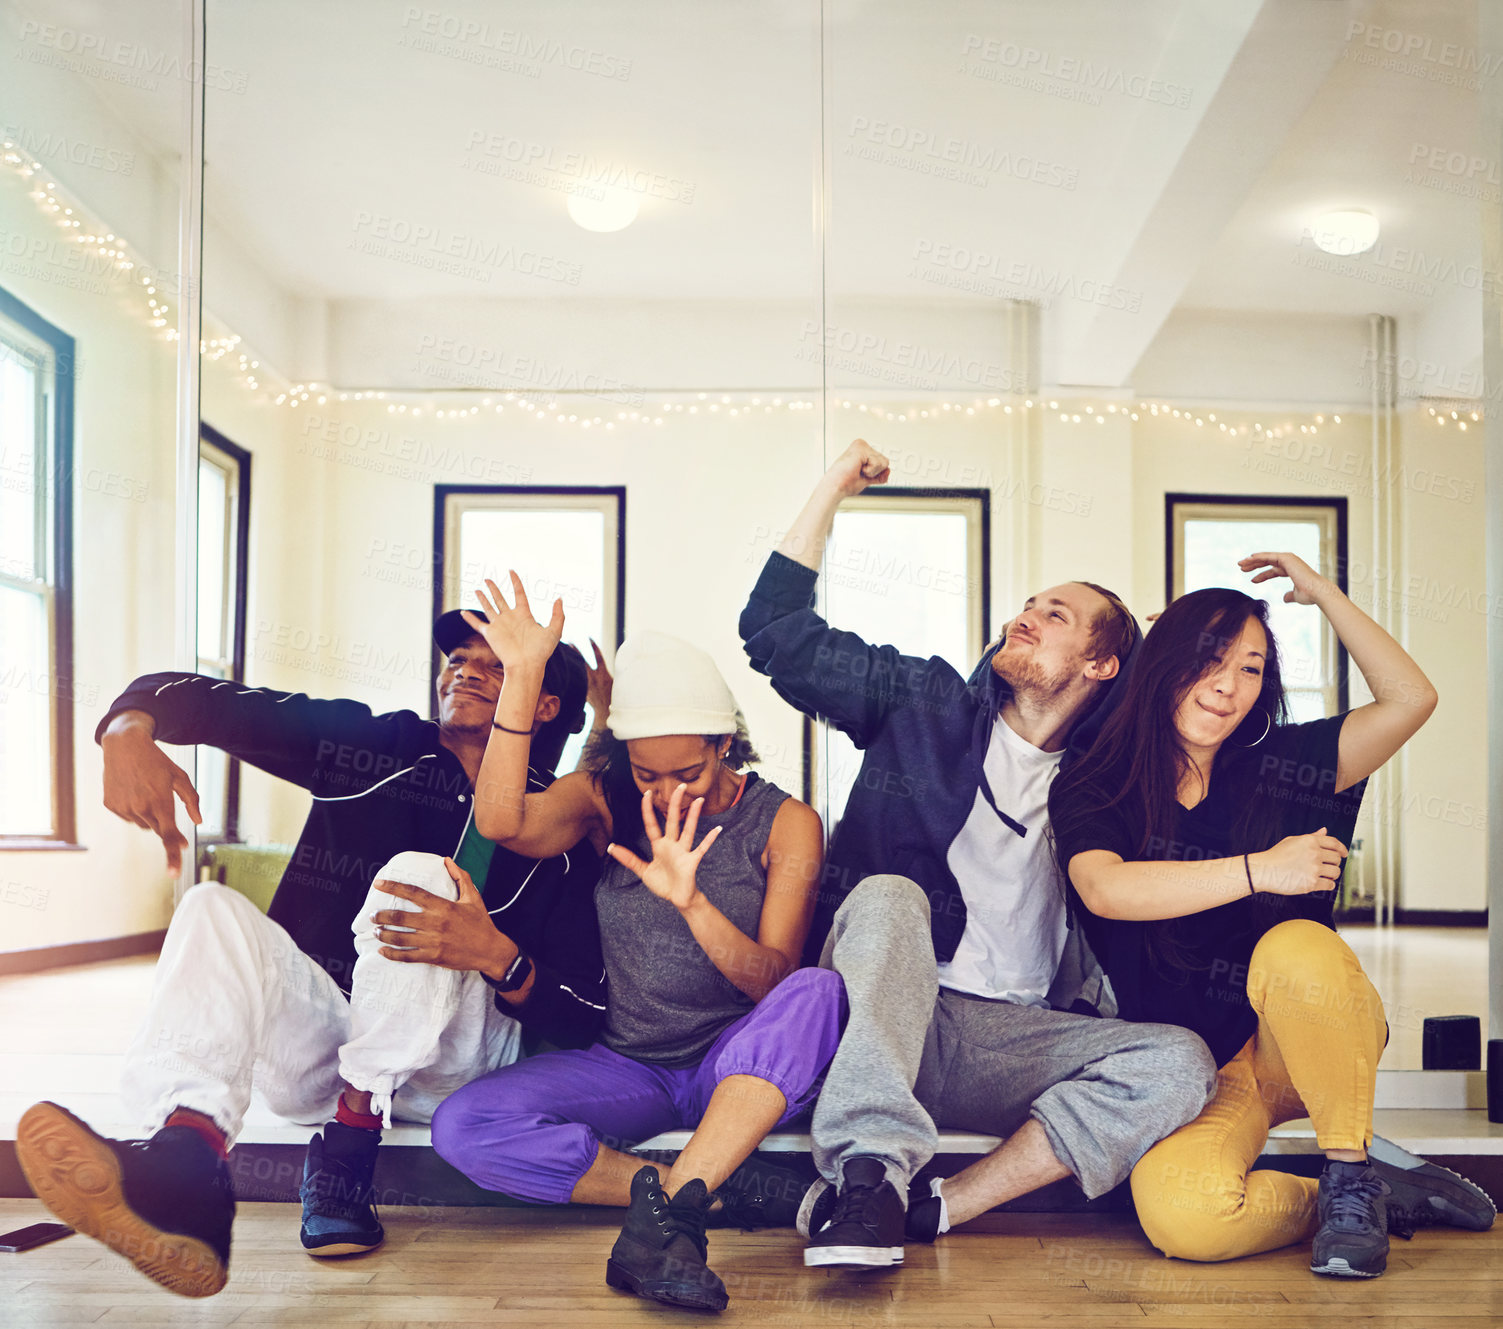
<point>1192,971</point>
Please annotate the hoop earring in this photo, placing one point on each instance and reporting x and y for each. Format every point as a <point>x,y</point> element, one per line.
<point>1268,724</point>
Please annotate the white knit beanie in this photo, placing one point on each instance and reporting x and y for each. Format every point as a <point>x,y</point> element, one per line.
<point>666,686</point>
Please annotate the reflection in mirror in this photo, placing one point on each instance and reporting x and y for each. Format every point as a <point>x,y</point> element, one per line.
<point>487,259</point>
<point>93,171</point>
<point>1076,256</point>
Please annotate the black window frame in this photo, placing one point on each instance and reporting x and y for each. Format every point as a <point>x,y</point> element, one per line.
<point>1333,501</point>
<point>60,473</point>
<point>441,496</point>
<point>240,590</point>
<point>982,496</point>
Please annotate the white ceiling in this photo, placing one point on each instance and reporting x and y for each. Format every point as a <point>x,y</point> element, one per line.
<point>1198,204</point>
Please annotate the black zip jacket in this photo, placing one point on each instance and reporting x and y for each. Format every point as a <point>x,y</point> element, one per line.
<point>924,730</point>
<point>382,784</point>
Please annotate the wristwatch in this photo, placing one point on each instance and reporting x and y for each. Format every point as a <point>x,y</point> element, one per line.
<point>516,975</point>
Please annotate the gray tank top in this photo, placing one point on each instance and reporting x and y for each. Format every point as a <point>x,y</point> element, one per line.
<point>668,1003</point>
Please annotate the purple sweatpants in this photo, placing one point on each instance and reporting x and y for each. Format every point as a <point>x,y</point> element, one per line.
<point>532,1129</point>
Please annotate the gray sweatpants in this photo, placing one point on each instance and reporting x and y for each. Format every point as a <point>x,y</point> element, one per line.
<point>915,1058</point>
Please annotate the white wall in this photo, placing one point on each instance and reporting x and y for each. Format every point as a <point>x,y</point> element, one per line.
<point>712,493</point>
<point>123,511</point>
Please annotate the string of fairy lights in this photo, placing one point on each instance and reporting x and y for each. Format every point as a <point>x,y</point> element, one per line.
<point>109,254</point>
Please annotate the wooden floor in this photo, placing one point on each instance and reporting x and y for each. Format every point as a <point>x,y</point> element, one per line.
<point>501,1267</point>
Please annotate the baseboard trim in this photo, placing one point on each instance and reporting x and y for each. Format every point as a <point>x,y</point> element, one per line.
<point>1422,918</point>
<point>419,1177</point>
<point>81,952</point>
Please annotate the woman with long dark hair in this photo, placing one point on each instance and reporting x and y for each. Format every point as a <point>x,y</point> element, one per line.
<point>710,1023</point>
<point>1204,835</point>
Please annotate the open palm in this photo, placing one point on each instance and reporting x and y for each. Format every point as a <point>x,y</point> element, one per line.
<point>671,873</point>
<point>510,630</point>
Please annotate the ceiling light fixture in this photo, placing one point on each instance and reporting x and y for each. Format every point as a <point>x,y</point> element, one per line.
<point>602,207</point>
<point>1346,231</point>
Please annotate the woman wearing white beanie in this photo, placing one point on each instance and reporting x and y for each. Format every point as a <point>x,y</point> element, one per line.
<point>707,1026</point>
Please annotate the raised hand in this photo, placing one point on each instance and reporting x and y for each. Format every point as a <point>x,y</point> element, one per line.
<point>1299,864</point>
<point>859,466</point>
<point>512,632</point>
<point>598,692</point>
<point>140,781</point>
<point>1307,583</point>
<point>671,874</point>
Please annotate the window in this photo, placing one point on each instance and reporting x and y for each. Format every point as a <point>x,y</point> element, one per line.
<point>908,568</point>
<point>1207,534</point>
<point>36,616</point>
<point>223,540</point>
<point>567,544</point>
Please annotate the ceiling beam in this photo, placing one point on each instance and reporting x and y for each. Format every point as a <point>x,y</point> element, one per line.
<point>1271,69</point>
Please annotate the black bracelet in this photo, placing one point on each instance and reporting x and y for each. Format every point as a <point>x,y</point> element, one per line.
<point>1247,867</point>
<point>507,729</point>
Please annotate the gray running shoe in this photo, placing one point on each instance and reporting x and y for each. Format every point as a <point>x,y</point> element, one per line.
<point>1426,1195</point>
<point>1352,1240</point>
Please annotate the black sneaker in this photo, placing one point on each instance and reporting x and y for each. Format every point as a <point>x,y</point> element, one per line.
<point>815,1208</point>
<point>338,1192</point>
<point>865,1226</point>
<point>761,1194</point>
<point>166,1204</point>
<point>1352,1240</point>
<point>921,1223</point>
<point>661,1251</point>
<point>1423,1194</point>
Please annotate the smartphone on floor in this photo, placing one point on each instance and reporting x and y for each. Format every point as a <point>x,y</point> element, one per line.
<point>38,1234</point>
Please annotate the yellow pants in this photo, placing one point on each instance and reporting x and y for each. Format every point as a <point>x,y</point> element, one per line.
<point>1315,1053</point>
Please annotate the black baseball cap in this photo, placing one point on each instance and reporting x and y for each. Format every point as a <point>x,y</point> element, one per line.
<point>565,676</point>
<point>451,629</point>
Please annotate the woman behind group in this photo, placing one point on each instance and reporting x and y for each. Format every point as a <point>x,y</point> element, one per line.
<point>707,1025</point>
<point>1204,834</point>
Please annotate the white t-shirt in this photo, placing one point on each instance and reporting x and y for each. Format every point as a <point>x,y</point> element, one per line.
<point>1014,898</point>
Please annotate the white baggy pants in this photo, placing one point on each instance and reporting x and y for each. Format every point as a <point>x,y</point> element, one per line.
<point>236,1008</point>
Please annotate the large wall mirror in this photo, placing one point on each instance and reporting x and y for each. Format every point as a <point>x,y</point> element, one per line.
<point>1059,261</point>
<point>1081,255</point>
<point>96,168</point>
